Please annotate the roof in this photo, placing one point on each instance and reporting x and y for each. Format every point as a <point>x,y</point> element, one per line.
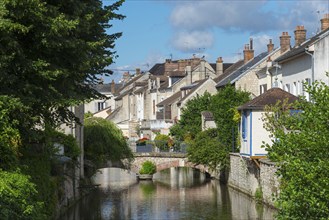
<point>157,69</point>
<point>170,100</point>
<point>225,66</point>
<point>196,85</point>
<point>123,94</point>
<point>130,82</point>
<point>270,97</point>
<point>176,73</point>
<point>299,50</point>
<point>235,74</point>
<point>208,116</point>
<point>113,113</point>
<point>229,70</point>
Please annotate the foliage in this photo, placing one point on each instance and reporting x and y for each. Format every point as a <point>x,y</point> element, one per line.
<point>71,147</point>
<point>104,141</point>
<point>190,123</point>
<point>52,51</point>
<point>18,197</point>
<point>259,195</point>
<point>10,139</point>
<point>223,106</point>
<point>163,142</point>
<point>300,147</point>
<point>142,141</point>
<point>148,167</point>
<point>211,147</point>
<point>206,149</point>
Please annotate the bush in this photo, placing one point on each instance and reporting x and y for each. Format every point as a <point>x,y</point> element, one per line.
<point>141,141</point>
<point>163,142</point>
<point>148,167</point>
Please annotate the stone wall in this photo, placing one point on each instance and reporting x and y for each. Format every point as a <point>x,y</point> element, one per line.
<point>245,176</point>
<point>269,181</point>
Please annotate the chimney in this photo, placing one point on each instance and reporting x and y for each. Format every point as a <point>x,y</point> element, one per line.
<point>248,52</point>
<point>325,22</point>
<point>284,42</point>
<point>112,87</point>
<point>188,76</point>
<point>219,66</point>
<point>138,71</point>
<point>300,35</point>
<point>270,46</point>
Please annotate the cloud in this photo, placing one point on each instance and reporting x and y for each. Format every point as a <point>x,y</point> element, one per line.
<point>193,41</point>
<point>250,16</point>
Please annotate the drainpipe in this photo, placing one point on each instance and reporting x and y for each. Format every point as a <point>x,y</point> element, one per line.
<point>307,49</point>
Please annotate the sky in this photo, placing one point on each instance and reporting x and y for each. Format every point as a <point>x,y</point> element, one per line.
<point>155,30</point>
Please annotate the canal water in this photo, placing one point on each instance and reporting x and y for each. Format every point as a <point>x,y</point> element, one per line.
<point>175,193</point>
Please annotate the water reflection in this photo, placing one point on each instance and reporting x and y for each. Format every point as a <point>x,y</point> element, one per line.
<point>176,193</point>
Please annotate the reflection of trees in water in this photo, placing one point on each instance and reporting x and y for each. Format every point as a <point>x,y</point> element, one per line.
<point>158,200</point>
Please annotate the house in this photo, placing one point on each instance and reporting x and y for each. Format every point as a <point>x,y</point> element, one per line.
<point>246,77</point>
<point>307,61</point>
<point>103,107</point>
<point>252,131</point>
<point>137,102</point>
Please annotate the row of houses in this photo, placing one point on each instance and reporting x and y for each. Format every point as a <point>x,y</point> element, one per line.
<point>149,102</point>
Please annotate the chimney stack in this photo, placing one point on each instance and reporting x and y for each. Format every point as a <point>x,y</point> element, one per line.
<point>138,71</point>
<point>284,42</point>
<point>219,66</point>
<point>248,52</point>
<point>300,35</point>
<point>270,46</point>
<point>325,22</point>
<point>112,87</point>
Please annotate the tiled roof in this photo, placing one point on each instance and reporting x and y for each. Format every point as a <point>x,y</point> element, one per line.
<point>196,85</point>
<point>157,69</point>
<point>270,97</point>
<point>176,73</point>
<point>235,74</point>
<point>225,66</point>
<point>229,70</point>
<point>130,82</point>
<point>170,100</point>
<point>123,94</point>
<point>208,116</point>
<point>299,50</point>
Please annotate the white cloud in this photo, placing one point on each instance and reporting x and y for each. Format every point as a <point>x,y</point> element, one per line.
<point>193,41</point>
<point>251,16</point>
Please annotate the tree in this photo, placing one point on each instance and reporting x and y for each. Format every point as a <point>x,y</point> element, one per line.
<point>223,106</point>
<point>104,141</point>
<point>207,149</point>
<point>300,149</point>
<point>190,123</point>
<point>18,197</point>
<point>52,52</point>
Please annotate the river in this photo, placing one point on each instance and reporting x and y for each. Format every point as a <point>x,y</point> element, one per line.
<point>175,193</point>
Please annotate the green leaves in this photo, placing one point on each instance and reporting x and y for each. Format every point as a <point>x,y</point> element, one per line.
<point>104,141</point>
<point>300,147</point>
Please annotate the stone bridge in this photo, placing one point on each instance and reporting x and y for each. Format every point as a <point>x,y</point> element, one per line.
<point>165,160</point>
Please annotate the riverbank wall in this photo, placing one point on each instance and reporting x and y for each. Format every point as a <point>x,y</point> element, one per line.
<point>257,181</point>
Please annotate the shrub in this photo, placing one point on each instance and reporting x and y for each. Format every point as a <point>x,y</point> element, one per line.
<point>148,167</point>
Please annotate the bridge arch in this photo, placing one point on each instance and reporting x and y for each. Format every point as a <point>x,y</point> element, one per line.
<point>167,160</point>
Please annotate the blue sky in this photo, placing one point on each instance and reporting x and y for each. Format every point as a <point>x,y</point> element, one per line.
<point>155,30</point>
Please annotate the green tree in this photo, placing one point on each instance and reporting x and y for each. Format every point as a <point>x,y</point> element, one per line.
<point>223,106</point>
<point>52,51</point>
<point>18,197</point>
<point>190,123</point>
<point>206,149</point>
<point>104,141</point>
<point>300,148</point>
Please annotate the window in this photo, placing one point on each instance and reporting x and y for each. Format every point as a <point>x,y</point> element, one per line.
<point>244,124</point>
<point>287,87</point>
<point>153,107</point>
<point>263,88</point>
<point>294,88</point>
<point>100,106</point>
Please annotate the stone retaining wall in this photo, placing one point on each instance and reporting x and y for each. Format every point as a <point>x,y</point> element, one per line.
<point>245,176</point>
